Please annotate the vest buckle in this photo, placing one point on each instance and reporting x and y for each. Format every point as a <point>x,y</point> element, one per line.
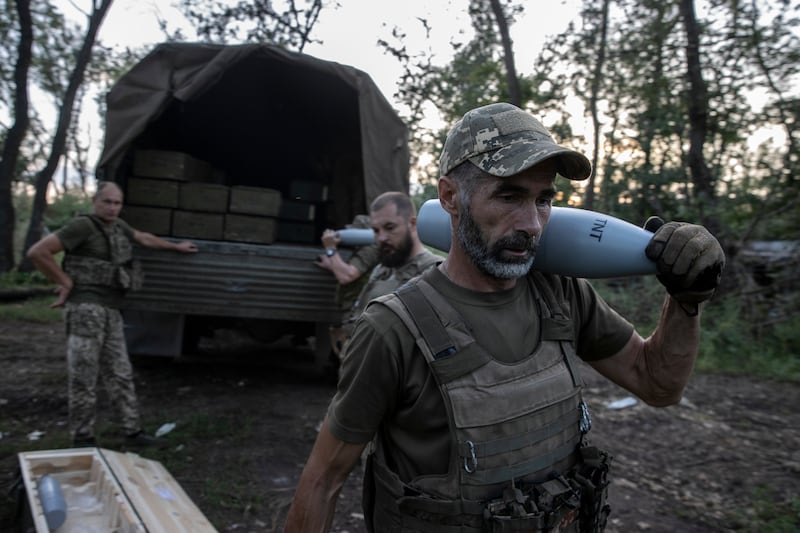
<point>471,462</point>
<point>586,418</point>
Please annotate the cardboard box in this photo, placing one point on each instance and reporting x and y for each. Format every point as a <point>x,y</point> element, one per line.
<point>303,232</point>
<point>297,210</point>
<point>310,191</point>
<point>110,491</point>
<point>252,229</point>
<point>156,220</point>
<point>165,164</point>
<point>209,197</point>
<point>153,193</point>
<point>194,225</point>
<point>254,201</point>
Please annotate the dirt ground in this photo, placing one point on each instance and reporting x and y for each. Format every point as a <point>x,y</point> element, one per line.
<point>726,459</point>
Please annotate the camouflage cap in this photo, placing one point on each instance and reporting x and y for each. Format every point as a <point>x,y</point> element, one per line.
<point>503,140</point>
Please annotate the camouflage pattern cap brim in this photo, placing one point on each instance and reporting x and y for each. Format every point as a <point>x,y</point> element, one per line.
<point>504,140</point>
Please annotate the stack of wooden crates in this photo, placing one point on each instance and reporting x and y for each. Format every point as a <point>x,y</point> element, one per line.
<point>174,194</point>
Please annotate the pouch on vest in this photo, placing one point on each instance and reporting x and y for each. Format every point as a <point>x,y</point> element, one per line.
<point>576,502</point>
<point>130,277</point>
<point>120,271</point>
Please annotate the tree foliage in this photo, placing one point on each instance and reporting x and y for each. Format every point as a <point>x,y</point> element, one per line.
<point>66,67</point>
<point>477,74</point>
<point>288,24</point>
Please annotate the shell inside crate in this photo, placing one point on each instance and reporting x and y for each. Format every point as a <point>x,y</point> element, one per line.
<point>110,492</point>
<point>94,498</point>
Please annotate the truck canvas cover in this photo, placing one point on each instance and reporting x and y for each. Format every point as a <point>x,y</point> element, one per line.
<point>262,114</point>
<point>271,125</point>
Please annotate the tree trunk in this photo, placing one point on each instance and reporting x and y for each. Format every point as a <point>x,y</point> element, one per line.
<point>44,176</point>
<point>514,92</point>
<point>16,134</point>
<point>697,104</point>
<point>597,75</point>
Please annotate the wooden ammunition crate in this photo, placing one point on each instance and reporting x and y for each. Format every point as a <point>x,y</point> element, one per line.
<point>310,191</point>
<point>152,193</point>
<point>210,197</point>
<point>156,220</point>
<point>297,210</point>
<point>302,232</point>
<point>167,164</point>
<point>252,229</point>
<point>195,225</point>
<point>254,201</point>
<point>108,491</point>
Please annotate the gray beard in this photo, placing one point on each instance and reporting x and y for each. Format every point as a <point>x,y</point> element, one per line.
<point>490,261</point>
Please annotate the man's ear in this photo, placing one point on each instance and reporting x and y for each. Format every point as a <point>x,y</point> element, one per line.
<point>448,195</point>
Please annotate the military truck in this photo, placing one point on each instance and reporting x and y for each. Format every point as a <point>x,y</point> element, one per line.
<point>250,151</point>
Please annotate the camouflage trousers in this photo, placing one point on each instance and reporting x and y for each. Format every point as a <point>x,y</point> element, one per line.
<point>96,351</point>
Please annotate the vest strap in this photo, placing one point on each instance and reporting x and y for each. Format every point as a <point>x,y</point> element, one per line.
<point>487,449</point>
<point>427,322</point>
<point>411,523</point>
<point>488,476</point>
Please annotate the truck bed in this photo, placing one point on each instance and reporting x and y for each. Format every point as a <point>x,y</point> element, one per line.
<point>277,282</point>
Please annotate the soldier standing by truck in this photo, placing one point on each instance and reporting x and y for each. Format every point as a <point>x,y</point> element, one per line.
<point>95,274</point>
<point>401,254</point>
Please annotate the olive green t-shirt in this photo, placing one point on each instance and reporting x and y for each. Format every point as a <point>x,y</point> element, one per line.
<point>81,237</point>
<point>385,383</point>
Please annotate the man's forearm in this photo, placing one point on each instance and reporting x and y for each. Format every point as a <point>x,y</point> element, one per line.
<point>670,353</point>
<point>47,265</point>
<point>344,272</point>
<point>311,511</point>
<point>330,462</point>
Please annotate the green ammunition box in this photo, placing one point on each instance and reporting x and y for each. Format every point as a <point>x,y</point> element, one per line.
<point>208,197</point>
<point>196,225</point>
<point>252,229</point>
<point>165,164</point>
<point>301,232</point>
<point>156,220</point>
<point>297,210</point>
<point>153,193</point>
<point>254,201</point>
<point>310,191</point>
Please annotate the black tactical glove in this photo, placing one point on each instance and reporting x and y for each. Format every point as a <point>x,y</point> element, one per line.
<point>689,261</point>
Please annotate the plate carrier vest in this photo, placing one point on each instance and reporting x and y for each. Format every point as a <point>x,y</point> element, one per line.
<point>518,461</point>
<point>119,271</point>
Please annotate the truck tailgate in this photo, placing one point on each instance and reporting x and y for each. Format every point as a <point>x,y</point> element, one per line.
<point>277,281</point>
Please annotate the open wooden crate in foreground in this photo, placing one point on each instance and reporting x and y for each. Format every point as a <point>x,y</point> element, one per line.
<point>108,491</point>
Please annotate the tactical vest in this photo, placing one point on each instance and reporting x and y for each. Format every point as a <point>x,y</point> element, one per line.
<point>518,461</point>
<point>119,271</point>
<point>379,284</point>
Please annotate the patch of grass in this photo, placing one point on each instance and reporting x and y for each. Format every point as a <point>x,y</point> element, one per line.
<point>23,280</point>
<point>638,299</point>
<point>771,514</point>
<point>18,442</point>
<point>228,493</point>
<point>206,426</point>
<point>728,342</point>
<point>33,310</point>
